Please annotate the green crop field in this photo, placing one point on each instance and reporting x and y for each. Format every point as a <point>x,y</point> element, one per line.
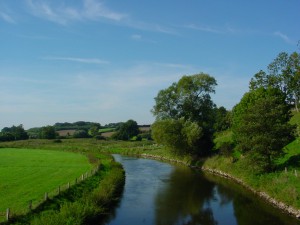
<point>26,174</point>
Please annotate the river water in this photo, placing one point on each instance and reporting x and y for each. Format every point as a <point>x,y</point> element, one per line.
<point>158,193</point>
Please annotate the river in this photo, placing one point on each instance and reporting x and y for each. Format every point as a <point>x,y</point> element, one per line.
<point>158,193</point>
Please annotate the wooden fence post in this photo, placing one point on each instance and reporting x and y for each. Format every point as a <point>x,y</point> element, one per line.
<point>296,175</point>
<point>285,169</point>
<point>46,196</point>
<point>7,214</point>
<point>82,177</point>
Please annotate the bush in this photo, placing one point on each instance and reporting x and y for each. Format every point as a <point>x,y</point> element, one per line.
<point>100,137</point>
<point>226,149</point>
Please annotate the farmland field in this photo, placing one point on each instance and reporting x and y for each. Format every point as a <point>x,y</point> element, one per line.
<point>26,174</point>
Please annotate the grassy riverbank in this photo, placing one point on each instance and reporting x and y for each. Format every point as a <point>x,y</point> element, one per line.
<point>81,203</point>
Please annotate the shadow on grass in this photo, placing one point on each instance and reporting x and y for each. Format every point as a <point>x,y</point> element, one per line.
<point>292,162</point>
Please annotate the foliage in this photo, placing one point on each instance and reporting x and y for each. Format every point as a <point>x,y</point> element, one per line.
<point>261,126</point>
<point>80,125</point>
<point>222,119</point>
<point>47,132</point>
<point>13,133</point>
<point>188,101</point>
<point>180,136</point>
<point>81,134</point>
<point>94,130</point>
<point>127,130</point>
<point>91,206</point>
<point>189,98</point>
<point>284,73</point>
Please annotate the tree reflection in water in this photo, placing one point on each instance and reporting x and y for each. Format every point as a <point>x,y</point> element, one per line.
<point>185,199</point>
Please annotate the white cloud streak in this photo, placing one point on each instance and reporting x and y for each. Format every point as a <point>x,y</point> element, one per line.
<point>204,28</point>
<point>7,18</point>
<point>79,60</point>
<point>284,37</point>
<point>91,10</point>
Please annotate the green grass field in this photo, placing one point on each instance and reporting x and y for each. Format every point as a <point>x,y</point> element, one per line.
<point>105,130</point>
<point>26,174</point>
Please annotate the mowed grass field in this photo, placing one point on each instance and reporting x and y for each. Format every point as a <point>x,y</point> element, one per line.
<point>26,174</point>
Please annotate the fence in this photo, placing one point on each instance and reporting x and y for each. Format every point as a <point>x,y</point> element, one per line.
<point>9,213</point>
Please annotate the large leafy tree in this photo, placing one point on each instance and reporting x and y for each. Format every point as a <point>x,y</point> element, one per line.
<point>127,130</point>
<point>179,136</point>
<point>283,73</point>
<point>261,126</point>
<point>47,132</point>
<point>188,99</point>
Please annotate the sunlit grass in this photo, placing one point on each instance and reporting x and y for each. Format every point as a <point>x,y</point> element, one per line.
<point>26,174</point>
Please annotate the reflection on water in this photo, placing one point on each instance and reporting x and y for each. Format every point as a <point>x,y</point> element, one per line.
<point>158,193</point>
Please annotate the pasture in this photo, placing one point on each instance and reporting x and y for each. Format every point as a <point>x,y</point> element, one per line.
<point>26,174</point>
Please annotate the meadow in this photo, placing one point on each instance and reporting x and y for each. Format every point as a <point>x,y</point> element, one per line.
<point>26,174</point>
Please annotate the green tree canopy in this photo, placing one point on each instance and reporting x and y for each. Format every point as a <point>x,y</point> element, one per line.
<point>80,134</point>
<point>127,130</point>
<point>189,100</point>
<point>283,73</point>
<point>14,133</point>
<point>261,125</point>
<point>47,132</point>
<point>222,119</point>
<point>178,135</point>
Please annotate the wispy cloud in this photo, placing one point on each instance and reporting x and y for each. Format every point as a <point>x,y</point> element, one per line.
<point>204,28</point>
<point>4,16</point>
<point>284,37</point>
<point>136,37</point>
<point>140,25</point>
<point>90,10</point>
<point>79,60</point>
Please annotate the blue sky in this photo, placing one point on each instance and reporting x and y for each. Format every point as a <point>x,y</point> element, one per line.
<point>106,60</point>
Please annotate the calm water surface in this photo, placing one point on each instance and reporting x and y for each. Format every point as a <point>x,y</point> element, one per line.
<point>158,193</point>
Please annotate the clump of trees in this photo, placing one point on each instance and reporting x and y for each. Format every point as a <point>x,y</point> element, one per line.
<point>47,132</point>
<point>261,119</point>
<point>261,126</point>
<point>284,74</point>
<point>185,115</point>
<point>187,118</point>
<point>13,133</point>
<point>126,130</point>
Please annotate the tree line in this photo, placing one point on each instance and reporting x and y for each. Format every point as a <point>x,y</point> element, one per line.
<point>123,131</point>
<point>186,118</point>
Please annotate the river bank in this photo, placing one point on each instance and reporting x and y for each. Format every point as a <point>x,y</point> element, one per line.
<point>284,207</point>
